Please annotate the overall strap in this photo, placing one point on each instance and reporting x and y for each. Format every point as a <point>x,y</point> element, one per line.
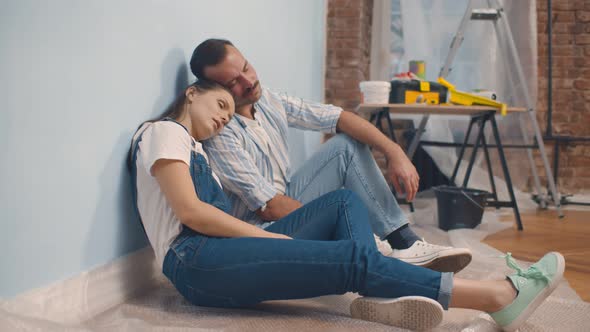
<point>135,149</point>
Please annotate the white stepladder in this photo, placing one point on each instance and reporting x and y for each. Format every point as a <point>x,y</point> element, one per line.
<point>495,14</point>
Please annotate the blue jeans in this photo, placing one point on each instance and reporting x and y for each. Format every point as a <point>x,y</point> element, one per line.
<point>343,162</point>
<point>333,252</point>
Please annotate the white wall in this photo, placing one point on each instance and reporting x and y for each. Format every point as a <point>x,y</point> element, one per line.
<point>77,77</point>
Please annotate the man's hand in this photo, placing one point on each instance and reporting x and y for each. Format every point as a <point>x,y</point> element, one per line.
<point>401,172</point>
<point>278,207</point>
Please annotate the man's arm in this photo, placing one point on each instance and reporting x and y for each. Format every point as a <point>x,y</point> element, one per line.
<point>400,170</point>
<point>174,179</point>
<point>330,119</point>
<point>240,175</point>
<point>278,207</point>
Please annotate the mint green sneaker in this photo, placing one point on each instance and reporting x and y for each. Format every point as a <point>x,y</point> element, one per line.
<point>533,285</point>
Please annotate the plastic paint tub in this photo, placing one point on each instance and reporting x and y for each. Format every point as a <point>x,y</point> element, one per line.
<point>375,92</point>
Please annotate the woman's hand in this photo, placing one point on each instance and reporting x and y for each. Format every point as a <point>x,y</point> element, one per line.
<point>176,183</point>
<point>279,236</point>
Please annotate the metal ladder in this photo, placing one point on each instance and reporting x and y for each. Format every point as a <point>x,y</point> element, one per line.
<point>495,14</point>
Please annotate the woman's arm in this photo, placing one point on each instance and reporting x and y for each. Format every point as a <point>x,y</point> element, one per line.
<point>174,179</point>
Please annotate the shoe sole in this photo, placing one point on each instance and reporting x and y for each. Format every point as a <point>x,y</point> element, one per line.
<point>449,263</point>
<point>540,297</point>
<point>411,312</point>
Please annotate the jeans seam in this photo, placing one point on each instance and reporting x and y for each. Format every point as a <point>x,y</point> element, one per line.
<point>362,179</point>
<point>372,195</point>
<point>347,218</point>
<point>173,270</point>
<point>435,289</point>
<point>268,262</point>
<point>335,154</point>
<point>189,245</point>
<point>343,202</point>
<point>200,246</point>
<point>364,183</point>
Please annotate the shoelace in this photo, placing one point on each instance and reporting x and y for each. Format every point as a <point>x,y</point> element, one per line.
<point>425,245</point>
<point>430,245</point>
<point>533,272</point>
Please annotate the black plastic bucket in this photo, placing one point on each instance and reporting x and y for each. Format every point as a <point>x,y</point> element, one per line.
<point>459,207</point>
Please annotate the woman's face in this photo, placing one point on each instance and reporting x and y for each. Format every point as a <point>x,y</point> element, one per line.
<point>209,111</point>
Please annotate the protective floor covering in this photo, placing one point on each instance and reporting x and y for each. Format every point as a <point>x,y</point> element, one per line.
<point>163,309</point>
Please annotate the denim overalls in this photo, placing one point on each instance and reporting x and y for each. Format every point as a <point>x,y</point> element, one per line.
<point>333,251</point>
<point>208,191</point>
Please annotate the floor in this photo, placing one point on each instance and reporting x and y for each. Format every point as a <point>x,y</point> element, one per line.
<point>161,307</point>
<point>544,232</point>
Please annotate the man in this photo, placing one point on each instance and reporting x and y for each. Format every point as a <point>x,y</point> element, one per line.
<point>250,155</point>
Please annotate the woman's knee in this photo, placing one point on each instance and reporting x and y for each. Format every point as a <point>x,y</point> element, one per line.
<point>347,200</point>
<point>350,197</point>
<point>342,196</point>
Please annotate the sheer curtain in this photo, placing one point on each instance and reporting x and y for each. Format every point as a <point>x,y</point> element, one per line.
<point>407,30</point>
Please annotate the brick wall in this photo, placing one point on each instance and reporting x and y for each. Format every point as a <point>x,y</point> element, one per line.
<point>571,87</point>
<point>348,54</point>
<point>348,46</point>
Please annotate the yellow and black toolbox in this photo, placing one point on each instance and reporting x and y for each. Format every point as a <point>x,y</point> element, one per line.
<point>417,91</point>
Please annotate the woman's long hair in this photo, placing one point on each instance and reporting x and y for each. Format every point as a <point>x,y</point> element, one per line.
<point>174,111</point>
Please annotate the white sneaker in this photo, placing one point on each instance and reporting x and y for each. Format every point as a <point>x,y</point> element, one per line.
<point>434,257</point>
<point>414,313</point>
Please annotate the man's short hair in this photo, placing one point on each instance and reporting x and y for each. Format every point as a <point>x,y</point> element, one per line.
<point>209,53</point>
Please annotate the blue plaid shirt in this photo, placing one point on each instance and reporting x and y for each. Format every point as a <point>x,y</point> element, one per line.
<point>242,162</point>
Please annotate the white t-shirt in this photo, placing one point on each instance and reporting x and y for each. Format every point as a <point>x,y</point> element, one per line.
<point>160,140</point>
<point>277,173</point>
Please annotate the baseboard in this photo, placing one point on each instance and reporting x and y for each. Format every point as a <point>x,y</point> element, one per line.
<point>79,298</point>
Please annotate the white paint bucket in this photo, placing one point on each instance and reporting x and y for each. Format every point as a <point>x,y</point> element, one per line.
<point>375,92</point>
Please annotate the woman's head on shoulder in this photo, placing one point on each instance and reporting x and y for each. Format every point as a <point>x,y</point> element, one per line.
<point>203,108</point>
<point>208,108</point>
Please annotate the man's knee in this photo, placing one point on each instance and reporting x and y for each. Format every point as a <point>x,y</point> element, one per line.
<point>349,144</point>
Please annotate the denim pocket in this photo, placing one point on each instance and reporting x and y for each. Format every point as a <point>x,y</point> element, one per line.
<point>171,265</point>
<point>186,249</point>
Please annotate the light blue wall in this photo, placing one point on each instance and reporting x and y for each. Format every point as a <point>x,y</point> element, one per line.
<point>77,77</point>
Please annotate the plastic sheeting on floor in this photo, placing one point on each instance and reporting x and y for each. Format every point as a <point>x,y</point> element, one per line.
<point>164,309</point>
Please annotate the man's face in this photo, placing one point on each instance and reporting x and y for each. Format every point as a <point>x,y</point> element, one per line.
<point>237,75</point>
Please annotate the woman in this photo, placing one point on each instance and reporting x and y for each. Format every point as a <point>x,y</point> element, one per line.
<point>325,247</point>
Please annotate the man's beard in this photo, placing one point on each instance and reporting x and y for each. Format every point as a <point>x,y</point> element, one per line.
<point>251,97</point>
